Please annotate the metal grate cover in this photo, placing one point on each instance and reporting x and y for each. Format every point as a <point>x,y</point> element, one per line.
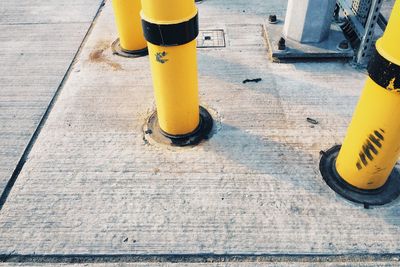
<point>211,38</point>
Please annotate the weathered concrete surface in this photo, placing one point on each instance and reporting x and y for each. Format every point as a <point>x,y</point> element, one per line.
<point>93,186</point>
<point>221,264</point>
<point>38,41</point>
<point>47,12</point>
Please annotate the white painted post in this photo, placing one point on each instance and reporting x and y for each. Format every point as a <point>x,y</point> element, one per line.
<point>308,21</point>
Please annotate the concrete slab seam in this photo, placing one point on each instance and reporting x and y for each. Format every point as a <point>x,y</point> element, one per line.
<point>21,162</point>
<point>200,258</point>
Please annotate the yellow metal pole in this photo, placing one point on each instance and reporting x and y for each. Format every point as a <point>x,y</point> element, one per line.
<point>372,145</point>
<point>173,67</point>
<point>171,28</point>
<point>128,21</point>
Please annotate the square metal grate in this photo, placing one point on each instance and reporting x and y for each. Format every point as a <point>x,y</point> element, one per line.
<point>211,38</point>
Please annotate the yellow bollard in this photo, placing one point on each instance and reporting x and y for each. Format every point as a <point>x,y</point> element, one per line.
<point>171,28</point>
<point>364,170</point>
<point>131,42</point>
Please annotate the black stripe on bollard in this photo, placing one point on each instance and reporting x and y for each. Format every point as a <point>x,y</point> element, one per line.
<point>383,72</point>
<point>171,34</point>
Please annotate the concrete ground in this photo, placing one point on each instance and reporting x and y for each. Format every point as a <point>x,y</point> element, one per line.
<point>38,42</point>
<point>82,183</point>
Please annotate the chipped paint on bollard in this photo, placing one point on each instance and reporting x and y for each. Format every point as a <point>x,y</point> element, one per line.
<point>366,161</point>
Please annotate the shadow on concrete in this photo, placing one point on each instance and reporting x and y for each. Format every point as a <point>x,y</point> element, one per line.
<point>288,163</point>
<point>259,8</point>
<point>297,170</point>
<point>262,155</point>
<point>284,86</point>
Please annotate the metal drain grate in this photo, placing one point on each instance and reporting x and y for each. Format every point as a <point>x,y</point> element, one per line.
<point>211,38</point>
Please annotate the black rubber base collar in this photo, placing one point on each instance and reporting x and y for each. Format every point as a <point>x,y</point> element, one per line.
<point>384,195</point>
<point>118,50</point>
<point>202,132</point>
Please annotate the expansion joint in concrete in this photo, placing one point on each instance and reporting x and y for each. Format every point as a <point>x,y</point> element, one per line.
<point>25,154</point>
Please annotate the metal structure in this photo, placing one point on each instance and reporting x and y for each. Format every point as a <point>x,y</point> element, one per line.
<point>307,31</point>
<point>211,39</point>
<point>308,21</point>
<point>353,20</point>
<point>362,17</point>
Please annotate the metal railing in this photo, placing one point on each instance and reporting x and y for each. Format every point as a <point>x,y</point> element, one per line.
<point>362,18</point>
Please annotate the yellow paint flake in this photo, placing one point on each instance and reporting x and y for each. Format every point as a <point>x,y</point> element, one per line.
<point>391,87</point>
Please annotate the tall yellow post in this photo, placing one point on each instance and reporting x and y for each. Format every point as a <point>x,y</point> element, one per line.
<point>170,28</point>
<point>366,160</point>
<point>131,39</point>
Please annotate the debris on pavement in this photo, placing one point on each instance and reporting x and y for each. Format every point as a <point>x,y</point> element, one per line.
<point>312,121</point>
<point>257,80</point>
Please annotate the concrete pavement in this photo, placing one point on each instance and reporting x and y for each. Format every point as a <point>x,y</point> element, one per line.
<point>95,186</point>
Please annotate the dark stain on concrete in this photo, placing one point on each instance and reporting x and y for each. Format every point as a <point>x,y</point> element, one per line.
<point>97,56</point>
